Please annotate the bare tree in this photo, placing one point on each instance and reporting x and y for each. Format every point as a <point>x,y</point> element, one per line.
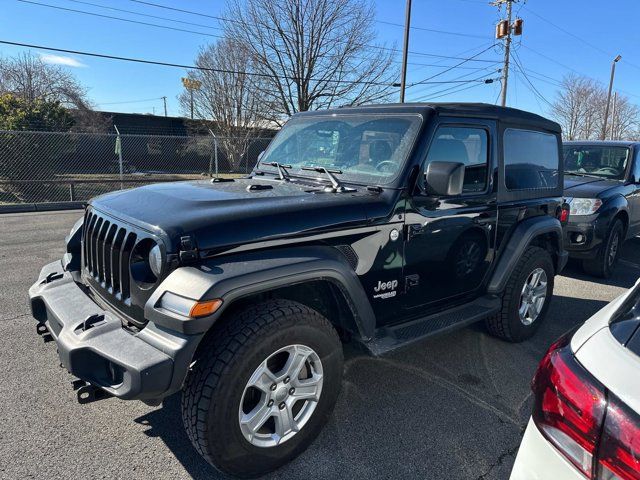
<point>579,108</point>
<point>28,77</point>
<point>227,97</point>
<point>625,121</point>
<point>312,54</point>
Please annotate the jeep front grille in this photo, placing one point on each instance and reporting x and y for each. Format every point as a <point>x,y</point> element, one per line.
<point>106,251</point>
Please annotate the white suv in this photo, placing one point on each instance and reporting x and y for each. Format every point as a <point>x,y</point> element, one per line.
<point>586,415</point>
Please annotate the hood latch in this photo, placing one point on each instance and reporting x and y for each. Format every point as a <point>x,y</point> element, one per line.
<point>188,249</point>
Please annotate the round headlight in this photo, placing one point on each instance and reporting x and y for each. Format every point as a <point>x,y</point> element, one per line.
<point>155,260</point>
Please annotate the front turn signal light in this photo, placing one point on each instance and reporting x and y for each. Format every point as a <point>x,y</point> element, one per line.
<point>204,308</point>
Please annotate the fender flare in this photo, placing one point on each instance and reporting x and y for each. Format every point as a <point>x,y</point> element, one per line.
<point>518,241</point>
<point>233,277</point>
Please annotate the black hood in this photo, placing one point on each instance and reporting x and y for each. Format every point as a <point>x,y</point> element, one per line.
<point>223,214</point>
<point>587,187</point>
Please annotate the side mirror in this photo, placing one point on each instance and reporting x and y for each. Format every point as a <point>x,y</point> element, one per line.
<point>444,179</point>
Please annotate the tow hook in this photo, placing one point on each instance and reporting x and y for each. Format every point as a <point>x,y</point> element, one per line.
<point>88,393</point>
<point>43,331</point>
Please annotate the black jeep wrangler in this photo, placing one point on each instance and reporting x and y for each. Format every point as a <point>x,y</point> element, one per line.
<point>378,225</point>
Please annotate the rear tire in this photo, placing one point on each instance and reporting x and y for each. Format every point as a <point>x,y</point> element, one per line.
<point>604,264</point>
<point>534,269</point>
<point>232,384</point>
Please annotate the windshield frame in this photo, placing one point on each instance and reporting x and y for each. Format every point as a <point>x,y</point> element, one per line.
<point>390,180</point>
<point>586,145</point>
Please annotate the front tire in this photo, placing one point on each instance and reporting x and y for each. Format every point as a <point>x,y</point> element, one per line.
<point>603,265</point>
<point>526,297</point>
<point>262,389</point>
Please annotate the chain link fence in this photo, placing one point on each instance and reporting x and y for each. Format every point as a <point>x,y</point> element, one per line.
<point>45,167</point>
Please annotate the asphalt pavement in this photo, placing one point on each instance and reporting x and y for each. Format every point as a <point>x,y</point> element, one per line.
<point>452,407</point>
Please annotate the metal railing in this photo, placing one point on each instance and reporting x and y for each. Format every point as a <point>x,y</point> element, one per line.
<point>42,167</point>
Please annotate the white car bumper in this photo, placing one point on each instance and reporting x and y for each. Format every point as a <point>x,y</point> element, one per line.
<point>539,460</point>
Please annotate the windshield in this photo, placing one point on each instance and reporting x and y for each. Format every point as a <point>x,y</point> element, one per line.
<point>599,160</point>
<point>367,149</point>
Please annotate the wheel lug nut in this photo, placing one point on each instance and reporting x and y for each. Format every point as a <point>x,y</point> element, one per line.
<point>270,404</point>
<point>273,387</point>
<point>286,380</point>
<point>281,406</point>
<point>292,391</point>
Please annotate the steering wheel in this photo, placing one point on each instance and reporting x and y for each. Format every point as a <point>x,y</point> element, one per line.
<point>387,166</point>
<point>611,170</point>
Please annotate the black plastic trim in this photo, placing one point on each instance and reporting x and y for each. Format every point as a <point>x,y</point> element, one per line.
<point>519,240</point>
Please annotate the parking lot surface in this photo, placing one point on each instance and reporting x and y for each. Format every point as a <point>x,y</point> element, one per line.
<point>451,407</point>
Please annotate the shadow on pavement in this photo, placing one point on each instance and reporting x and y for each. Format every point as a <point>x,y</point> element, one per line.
<point>396,414</point>
<point>166,423</point>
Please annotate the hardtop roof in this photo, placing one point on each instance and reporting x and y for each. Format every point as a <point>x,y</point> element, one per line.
<point>478,110</point>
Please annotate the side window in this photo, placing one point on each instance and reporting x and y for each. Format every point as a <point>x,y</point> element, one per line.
<point>468,145</point>
<point>530,160</point>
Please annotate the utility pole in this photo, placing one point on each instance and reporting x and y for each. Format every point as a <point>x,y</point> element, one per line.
<point>505,29</point>
<point>603,136</point>
<point>164,99</point>
<point>405,50</point>
<point>613,116</point>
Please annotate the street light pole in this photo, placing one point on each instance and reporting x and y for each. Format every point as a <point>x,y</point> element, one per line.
<point>603,136</point>
<point>405,50</point>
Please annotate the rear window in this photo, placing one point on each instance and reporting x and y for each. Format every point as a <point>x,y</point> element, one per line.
<point>530,160</point>
<point>625,323</point>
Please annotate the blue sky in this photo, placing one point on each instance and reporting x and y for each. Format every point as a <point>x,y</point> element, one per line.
<point>585,38</point>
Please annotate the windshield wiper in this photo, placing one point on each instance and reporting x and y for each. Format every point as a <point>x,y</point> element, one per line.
<point>282,172</point>
<point>580,174</point>
<point>336,186</point>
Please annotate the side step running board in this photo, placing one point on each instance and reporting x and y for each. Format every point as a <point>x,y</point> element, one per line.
<point>391,338</point>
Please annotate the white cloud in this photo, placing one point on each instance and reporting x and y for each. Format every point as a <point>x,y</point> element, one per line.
<point>61,60</point>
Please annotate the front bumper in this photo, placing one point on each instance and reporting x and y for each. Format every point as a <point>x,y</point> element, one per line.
<point>94,346</point>
<point>582,239</point>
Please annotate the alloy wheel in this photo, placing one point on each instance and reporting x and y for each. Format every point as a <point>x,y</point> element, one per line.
<point>533,296</point>
<point>281,396</point>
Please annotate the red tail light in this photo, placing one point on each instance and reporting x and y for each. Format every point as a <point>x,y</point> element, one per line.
<point>564,215</point>
<point>619,455</point>
<point>569,406</point>
<point>571,411</point>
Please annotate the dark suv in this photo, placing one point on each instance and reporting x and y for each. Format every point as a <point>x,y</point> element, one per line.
<point>602,186</point>
<point>377,225</point>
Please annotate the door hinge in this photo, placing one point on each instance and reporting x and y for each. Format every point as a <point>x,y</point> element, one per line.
<point>411,281</point>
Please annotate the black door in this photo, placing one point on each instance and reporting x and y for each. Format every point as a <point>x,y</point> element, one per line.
<point>450,241</point>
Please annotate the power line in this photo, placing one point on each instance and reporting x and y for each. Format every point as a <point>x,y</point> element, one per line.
<point>428,87</point>
<point>131,101</point>
<point>443,32</point>
<point>452,67</point>
<point>442,94</point>
<point>580,39</point>
<point>202,25</point>
<point>533,88</point>
<point>240,22</point>
<point>110,17</point>
<point>106,7</point>
<point>474,82</point>
<point>188,67</point>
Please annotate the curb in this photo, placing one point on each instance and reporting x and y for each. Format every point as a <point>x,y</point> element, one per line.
<point>41,207</point>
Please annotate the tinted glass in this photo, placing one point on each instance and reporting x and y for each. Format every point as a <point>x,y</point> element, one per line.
<point>368,149</point>
<point>530,160</point>
<point>465,145</point>
<point>601,161</point>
